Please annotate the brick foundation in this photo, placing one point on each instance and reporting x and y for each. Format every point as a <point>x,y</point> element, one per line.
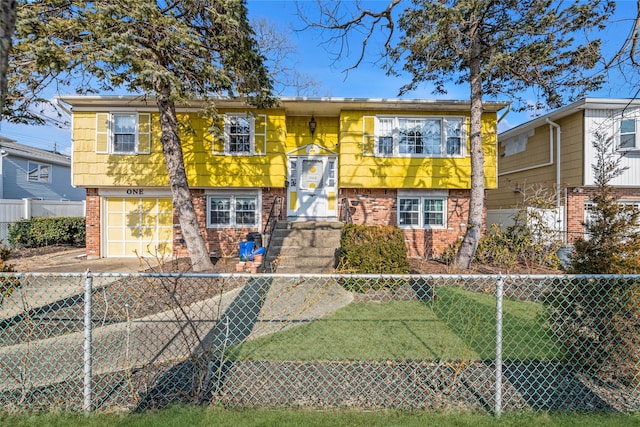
<point>368,206</point>
<point>378,207</point>
<point>93,224</point>
<point>222,242</point>
<point>577,197</point>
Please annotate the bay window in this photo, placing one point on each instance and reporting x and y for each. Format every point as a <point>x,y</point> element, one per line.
<point>419,136</point>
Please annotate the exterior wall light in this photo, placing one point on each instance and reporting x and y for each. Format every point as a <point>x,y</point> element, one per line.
<point>312,125</point>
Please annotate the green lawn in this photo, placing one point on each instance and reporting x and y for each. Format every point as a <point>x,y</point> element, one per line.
<point>189,416</point>
<point>458,325</point>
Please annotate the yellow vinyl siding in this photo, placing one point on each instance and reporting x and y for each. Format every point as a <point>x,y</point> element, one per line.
<point>358,170</point>
<point>215,169</point>
<point>97,168</point>
<point>208,167</point>
<point>298,134</point>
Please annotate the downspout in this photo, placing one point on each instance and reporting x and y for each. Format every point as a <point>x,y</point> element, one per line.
<point>558,173</point>
<point>565,218</point>
<point>3,154</point>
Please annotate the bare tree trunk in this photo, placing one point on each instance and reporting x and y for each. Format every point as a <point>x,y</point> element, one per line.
<point>7,26</point>
<point>182,202</point>
<point>467,250</point>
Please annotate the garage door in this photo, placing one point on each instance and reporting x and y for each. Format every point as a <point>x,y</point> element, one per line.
<point>138,227</point>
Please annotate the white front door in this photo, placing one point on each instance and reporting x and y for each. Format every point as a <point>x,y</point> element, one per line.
<point>312,187</point>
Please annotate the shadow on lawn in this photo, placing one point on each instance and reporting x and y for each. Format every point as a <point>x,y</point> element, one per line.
<point>196,379</point>
<point>534,365</point>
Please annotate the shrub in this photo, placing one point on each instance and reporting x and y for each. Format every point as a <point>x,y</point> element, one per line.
<point>376,249</point>
<point>601,320</point>
<point>532,240</point>
<point>597,322</point>
<point>7,284</point>
<point>515,246</point>
<point>45,231</point>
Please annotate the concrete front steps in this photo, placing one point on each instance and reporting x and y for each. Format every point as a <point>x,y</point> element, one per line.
<point>308,247</point>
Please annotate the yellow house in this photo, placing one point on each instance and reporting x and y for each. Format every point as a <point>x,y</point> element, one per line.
<point>383,161</point>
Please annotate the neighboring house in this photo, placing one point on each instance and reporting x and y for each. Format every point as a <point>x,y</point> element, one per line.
<point>391,161</point>
<point>555,153</point>
<point>31,173</point>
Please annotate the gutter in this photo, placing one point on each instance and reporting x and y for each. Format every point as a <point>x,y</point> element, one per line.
<point>557,127</point>
<point>541,165</point>
<point>558,146</point>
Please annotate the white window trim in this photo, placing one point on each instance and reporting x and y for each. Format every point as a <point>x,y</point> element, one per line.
<point>422,195</point>
<point>227,134</point>
<point>443,136</point>
<point>590,204</point>
<point>110,133</point>
<point>31,163</point>
<point>232,195</point>
<point>618,135</point>
<point>112,136</point>
<point>258,136</point>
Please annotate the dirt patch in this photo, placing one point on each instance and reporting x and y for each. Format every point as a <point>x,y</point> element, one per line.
<point>425,266</point>
<point>73,259</point>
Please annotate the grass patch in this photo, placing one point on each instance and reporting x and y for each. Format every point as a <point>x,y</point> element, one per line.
<point>191,416</point>
<point>472,316</point>
<point>458,325</point>
<point>389,331</point>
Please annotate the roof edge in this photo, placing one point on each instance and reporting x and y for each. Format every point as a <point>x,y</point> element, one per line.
<point>141,101</point>
<point>582,104</point>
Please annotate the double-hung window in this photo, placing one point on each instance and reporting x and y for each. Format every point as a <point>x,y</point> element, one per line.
<point>627,207</point>
<point>123,133</point>
<point>628,134</point>
<point>422,211</point>
<point>38,172</point>
<point>419,136</point>
<point>227,210</point>
<point>239,134</point>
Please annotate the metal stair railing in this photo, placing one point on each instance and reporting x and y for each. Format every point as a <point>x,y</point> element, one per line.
<point>345,211</point>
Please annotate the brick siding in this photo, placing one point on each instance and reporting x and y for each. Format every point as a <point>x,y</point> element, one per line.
<point>379,207</point>
<point>368,206</point>
<point>222,242</point>
<point>577,197</point>
<point>93,224</point>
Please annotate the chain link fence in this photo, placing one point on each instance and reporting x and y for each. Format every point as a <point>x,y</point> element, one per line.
<point>491,343</point>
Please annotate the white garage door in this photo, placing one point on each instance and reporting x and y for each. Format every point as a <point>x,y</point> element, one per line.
<point>138,227</point>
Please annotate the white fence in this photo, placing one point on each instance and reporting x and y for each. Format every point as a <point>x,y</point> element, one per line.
<point>12,210</point>
<point>539,219</point>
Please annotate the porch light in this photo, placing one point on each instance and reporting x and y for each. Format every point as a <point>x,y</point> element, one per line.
<point>312,125</point>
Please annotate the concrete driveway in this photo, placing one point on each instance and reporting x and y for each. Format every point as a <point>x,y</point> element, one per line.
<point>75,261</point>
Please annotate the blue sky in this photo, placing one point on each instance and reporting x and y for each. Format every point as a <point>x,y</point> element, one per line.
<point>367,81</point>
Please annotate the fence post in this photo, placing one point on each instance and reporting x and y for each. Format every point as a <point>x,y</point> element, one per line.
<point>88,285</point>
<point>26,208</point>
<point>498,385</point>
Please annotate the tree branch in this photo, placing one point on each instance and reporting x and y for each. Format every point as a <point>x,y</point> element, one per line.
<point>365,22</point>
